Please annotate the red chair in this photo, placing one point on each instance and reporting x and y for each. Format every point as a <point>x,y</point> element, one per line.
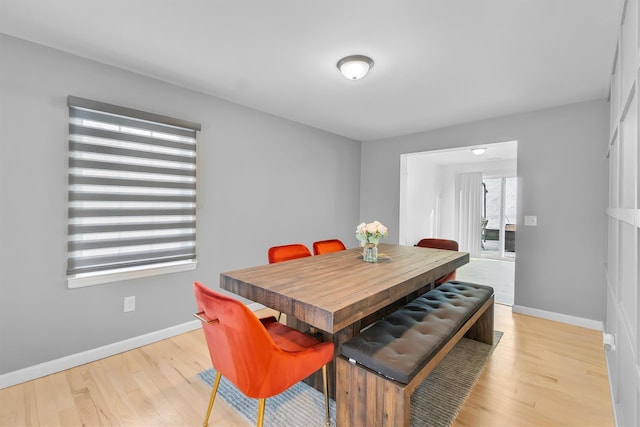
<point>328,246</point>
<point>261,357</point>
<point>448,245</point>
<point>287,252</point>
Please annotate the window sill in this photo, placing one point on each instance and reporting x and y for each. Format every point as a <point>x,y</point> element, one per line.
<point>101,278</point>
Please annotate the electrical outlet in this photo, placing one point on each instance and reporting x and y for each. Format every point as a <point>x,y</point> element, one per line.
<point>531,221</point>
<point>129,304</point>
<point>609,342</point>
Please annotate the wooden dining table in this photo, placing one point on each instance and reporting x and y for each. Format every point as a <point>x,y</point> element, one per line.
<point>335,295</point>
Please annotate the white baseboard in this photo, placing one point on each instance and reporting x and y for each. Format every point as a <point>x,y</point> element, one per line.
<point>616,407</point>
<point>73,360</point>
<point>51,367</point>
<point>564,318</point>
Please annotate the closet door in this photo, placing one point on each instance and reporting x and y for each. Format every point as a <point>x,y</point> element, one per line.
<point>623,224</point>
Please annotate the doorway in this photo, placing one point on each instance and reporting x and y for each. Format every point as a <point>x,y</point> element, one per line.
<point>428,199</point>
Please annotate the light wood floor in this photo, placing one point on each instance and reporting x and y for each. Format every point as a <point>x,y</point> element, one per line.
<point>542,373</point>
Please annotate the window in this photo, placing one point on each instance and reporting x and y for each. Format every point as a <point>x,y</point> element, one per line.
<point>132,193</point>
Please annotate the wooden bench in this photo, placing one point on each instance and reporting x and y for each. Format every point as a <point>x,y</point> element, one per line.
<point>380,368</point>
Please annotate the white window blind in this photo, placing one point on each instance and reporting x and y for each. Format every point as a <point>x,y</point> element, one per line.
<point>132,189</point>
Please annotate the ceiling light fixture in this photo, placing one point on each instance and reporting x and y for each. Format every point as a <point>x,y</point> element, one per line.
<point>355,67</point>
<point>478,151</point>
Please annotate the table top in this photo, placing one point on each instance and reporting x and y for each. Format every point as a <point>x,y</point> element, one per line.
<point>333,291</point>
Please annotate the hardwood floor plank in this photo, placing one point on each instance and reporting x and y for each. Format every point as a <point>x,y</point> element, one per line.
<point>65,403</point>
<point>111,387</point>
<point>541,373</point>
<point>85,404</point>
<point>154,403</point>
<point>24,411</point>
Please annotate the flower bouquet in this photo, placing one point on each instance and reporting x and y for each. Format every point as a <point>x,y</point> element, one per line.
<point>369,235</point>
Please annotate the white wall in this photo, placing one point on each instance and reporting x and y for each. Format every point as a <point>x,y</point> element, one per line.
<point>562,173</point>
<point>262,181</point>
<point>421,206</point>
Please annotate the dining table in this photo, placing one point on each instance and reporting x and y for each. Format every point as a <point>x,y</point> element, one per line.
<point>336,295</point>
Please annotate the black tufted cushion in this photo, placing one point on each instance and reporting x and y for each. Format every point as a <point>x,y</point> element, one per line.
<point>399,345</point>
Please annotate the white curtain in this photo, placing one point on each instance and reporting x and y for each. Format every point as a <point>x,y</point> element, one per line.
<point>468,212</point>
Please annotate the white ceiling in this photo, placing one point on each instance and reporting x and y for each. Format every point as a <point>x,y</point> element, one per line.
<point>437,62</point>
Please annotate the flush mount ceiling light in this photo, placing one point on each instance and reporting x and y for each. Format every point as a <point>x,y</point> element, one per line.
<point>478,151</point>
<point>355,67</point>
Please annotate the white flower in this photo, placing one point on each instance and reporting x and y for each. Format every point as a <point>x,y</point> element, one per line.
<point>372,228</point>
<point>371,233</point>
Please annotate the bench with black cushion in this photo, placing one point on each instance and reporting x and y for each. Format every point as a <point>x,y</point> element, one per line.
<point>379,369</point>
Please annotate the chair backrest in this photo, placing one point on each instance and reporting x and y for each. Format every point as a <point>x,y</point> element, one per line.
<point>445,244</point>
<point>328,246</point>
<point>239,345</point>
<point>287,252</point>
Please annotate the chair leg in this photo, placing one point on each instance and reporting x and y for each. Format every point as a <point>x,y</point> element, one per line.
<point>326,394</point>
<point>260,411</point>
<point>214,390</point>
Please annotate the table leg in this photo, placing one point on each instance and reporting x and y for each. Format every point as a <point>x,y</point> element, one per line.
<point>315,379</point>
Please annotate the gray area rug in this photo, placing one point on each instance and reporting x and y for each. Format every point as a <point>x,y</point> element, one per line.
<point>435,403</point>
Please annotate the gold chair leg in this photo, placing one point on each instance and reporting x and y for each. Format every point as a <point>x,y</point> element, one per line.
<point>260,411</point>
<point>214,390</point>
<point>326,394</point>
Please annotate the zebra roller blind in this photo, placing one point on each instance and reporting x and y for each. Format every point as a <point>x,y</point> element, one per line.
<point>132,189</point>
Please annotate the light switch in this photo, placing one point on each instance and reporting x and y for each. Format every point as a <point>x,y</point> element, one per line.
<point>531,220</point>
<point>129,304</point>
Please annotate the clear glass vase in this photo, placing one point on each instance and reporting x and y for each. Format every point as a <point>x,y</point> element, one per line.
<point>370,253</point>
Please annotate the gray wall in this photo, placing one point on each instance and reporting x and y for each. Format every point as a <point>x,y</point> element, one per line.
<point>262,181</point>
<point>562,172</point>
<point>249,200</point>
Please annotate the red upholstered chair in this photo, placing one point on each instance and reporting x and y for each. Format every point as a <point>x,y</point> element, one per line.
<point>449,245</point>
<point>328,246</point>
<point>287,252</point>
<point>261,357</point>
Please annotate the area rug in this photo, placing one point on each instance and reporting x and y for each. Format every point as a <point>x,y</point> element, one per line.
<point>435,403</point>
